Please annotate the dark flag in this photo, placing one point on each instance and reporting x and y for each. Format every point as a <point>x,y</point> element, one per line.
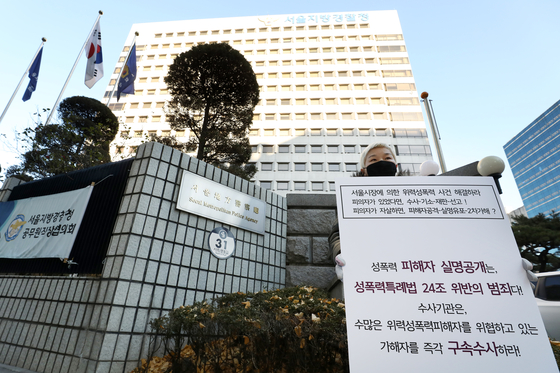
<point>126,81</point>
<point>33,76</point>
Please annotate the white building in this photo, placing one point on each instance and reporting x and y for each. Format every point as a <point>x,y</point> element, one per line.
<point>331,84</point>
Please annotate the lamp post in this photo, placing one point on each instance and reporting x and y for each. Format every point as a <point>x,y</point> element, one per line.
<point>435,133</point>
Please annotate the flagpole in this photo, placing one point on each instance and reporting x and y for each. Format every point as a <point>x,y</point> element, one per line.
<point>73,68</point>
<point>122,67</point>
<point>21,81</point>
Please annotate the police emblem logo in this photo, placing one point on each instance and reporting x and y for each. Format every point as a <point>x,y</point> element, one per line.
<point>15,227</point>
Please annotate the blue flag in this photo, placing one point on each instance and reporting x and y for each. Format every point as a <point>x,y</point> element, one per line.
<point>126,82</point>
<point>33,76</point>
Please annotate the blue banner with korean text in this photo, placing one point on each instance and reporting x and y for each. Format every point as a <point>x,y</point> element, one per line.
<point>42,227</point>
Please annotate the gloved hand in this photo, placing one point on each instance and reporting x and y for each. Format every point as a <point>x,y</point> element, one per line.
<point>340,262</point>
<point>528,266</point>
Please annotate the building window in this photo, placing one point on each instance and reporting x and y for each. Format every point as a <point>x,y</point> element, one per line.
<point>334,167</point>
<point>285,101</point>
<point>397,117</point>
<point>332,132</point>
<point>400,87</point>
<point>316,167</point>
<point>283,132</point>
<point>299,185</point>
<point>393,61</point>
<point>396,73</point>
<point>284,116</point>
<point>315,116</point>
<point>389,37</point>
<point>395,101</point>
<point>299,167</point>
<point>316,185</point>
<point>362,116</point>
<point>282,185</point>
<point>349,149</point>
<point>391,48</point>
<point>266,166</point>
<point>332,186</point>
<point>332,149</point>
<point>299,148</point>
<point>315,132</point>
<point>266,184</point>
<point>269,132</point>
<point>316,148</point>
<point>268,148</point>
<point>351,167</point>
<point>283,166</point>
<point>283,148</point>
<point>299,132</point>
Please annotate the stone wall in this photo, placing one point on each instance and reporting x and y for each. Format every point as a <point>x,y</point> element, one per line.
<point>310,219</point>
<point>157,260</point>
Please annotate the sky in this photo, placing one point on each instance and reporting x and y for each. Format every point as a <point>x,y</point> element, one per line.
<point>490,67</point>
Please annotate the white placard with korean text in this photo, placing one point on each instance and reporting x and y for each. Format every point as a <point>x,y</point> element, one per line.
<point>218,202</point>
<point>42,227</point>
<point>433,280</point>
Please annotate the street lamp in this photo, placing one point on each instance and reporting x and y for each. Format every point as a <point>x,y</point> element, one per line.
<point>429,168</point>
<point>492,166</point>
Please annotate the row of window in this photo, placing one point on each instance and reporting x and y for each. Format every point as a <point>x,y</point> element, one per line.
<point>290,62</point>
<point>337,87</point>
<point>304,166</point>
<point>301,74</point>
<point>274,29</point>
<point>379,49</point>
<point>389,87</point>
<point>289,40</point>
<point>350,26</point>
<point>391,101</point>
<point>262,52</point>
<point>395,117</point>
<point>338,61</point>
<point>298,185</point>
<point>335,74</point>
<point>337,149</point>
<point>393,132</point>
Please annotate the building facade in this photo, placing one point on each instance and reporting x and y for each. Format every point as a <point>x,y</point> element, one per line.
<point>330,84</point>
<point>534,158</point>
